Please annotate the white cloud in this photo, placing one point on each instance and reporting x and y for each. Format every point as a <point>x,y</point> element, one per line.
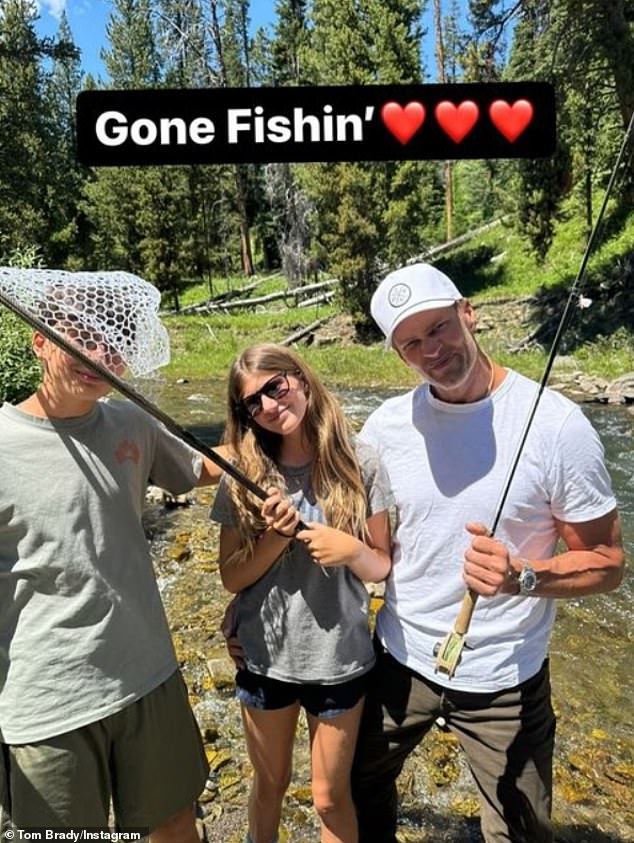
<point>53,7</point>
<point>83,7</point>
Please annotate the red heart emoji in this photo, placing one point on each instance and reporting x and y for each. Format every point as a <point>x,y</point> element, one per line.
<point>511,120</point>
<point>457,121</point>
<point>403,123</point>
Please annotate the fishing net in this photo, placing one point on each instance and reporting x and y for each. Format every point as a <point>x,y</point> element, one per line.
<point>110,321</point>
<point>109,316</point>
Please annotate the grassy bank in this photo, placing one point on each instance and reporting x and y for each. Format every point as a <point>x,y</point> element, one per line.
<point>204,347</point>
<point>513,293</point>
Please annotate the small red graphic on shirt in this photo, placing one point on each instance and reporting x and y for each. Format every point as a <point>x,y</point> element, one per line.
<point>128,450</point>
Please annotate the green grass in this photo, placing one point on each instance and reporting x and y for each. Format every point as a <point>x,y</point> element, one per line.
<point>601,341</point>
<point>360,366</point>
<point>608,357</point>
<point>203,290</point>
<point>205,346</point>
<point>515,270</point>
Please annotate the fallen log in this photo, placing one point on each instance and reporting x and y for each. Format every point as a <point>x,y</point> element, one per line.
<point>324,297</point>
<point>433,251</point>
<point>295,294</point>
<point>302,332</point>
<point>203,307</point>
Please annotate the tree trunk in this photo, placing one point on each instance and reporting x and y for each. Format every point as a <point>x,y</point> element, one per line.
<point>246,255</point>
<point>448,179</point>
<point>447,166</point>
<point>617,32</point>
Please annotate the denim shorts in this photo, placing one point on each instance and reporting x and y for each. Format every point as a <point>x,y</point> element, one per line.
<point>323,701</point>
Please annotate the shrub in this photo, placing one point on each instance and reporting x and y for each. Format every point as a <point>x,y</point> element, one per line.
<point>19,369</point>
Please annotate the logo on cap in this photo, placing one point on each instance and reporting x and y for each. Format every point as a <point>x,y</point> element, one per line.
<point>399,294</point>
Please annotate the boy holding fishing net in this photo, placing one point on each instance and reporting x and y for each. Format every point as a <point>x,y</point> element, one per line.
<point>93,709</point>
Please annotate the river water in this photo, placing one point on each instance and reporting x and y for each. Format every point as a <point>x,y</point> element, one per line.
<point>591,652</point>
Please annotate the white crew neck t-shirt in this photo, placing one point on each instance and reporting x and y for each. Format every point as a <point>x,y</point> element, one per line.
<point>447,465</point>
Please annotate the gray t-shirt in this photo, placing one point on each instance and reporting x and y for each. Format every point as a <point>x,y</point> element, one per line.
<point>300,622</point>
<point>82,628</point>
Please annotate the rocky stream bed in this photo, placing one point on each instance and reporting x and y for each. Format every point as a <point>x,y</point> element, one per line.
<point>594,765</point>
<point>591,653</point>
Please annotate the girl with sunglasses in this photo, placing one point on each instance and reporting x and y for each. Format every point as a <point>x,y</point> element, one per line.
<point>301,614</point>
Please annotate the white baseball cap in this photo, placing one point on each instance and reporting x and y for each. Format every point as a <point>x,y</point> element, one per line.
<point>410,290</point>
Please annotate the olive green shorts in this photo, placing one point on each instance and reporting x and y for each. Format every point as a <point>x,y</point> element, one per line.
<point>146,761</point>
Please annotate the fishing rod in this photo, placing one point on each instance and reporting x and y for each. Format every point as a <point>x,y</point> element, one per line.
<point>448,651</point>
<point>133,395</point>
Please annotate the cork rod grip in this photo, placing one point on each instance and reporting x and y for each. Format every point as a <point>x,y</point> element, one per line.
<point>466,612</point>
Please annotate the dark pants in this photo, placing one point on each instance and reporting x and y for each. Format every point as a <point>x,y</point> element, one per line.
<point>507,737</point>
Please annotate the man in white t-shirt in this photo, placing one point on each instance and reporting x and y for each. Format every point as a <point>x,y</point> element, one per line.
<point>448,447</point>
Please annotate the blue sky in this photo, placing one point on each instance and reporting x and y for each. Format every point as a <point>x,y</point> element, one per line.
<point>88,18</point>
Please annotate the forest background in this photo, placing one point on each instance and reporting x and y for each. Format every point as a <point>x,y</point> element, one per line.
<point>180,227</point>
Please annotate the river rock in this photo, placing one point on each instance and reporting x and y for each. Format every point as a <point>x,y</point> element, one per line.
<point>590,652</point>
<point>156,495</point>
<point>621,390</point>
<point>591,385</point>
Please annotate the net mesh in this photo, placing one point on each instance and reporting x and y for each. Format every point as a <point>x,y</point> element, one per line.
<point>112,317</point>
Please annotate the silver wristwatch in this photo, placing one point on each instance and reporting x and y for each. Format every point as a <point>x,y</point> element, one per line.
<point>527,578</point>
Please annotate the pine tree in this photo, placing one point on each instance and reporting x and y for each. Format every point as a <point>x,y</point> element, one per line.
<point>143,218</point>
<point>443,78</point>
<point>207,240</point>
<point>288,207</point>
<point>290,39</point>
<point>24,130</point>
<point>39,179</point>
<point>585,48</point>
<point>132,60</point>
<point>368,217</point>
<point>111,197</point>
<point>475,53</point>
<point>571,43</point>
<point>182,44</point>
<point>228,22</point>
<point>66,178</point>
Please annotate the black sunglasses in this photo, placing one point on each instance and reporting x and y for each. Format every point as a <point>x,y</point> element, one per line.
<point>276,387</point>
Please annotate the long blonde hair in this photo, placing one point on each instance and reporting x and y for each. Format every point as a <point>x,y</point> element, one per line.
<point>335,474</point>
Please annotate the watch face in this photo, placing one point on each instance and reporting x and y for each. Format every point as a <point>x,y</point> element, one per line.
<point>528,580</point>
